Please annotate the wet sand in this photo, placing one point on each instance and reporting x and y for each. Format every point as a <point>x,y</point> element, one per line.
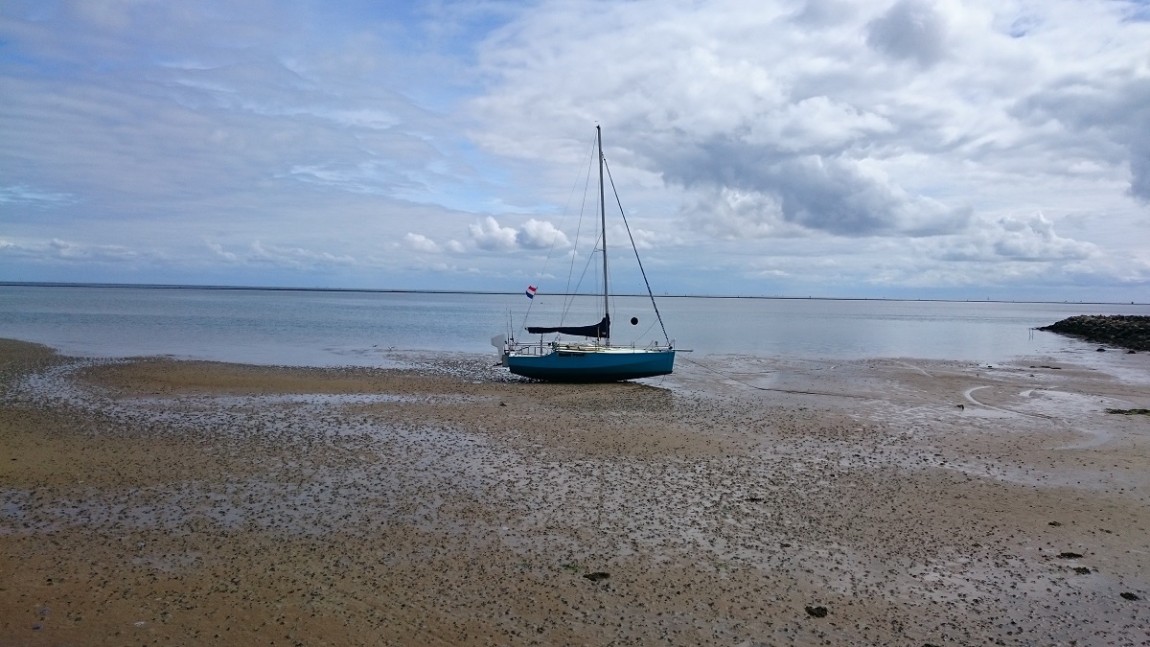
<point>738,502</point>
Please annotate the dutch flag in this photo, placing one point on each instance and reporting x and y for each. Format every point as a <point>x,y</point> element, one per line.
<point>530,292</point>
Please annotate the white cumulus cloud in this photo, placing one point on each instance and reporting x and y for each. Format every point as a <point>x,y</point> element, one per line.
<point>540,234</point>
<point>487,234</point>
<point>420,243</point>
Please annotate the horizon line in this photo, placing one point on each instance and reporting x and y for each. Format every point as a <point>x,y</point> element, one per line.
<point>174,286</point>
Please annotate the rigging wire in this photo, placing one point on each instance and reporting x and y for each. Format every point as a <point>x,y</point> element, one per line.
<point>571,294</point>
<point>574,252</point>
<point>635,249</point>
<point>570,298</point>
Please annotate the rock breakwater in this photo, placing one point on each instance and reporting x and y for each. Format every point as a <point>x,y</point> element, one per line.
<point>1127,331</point>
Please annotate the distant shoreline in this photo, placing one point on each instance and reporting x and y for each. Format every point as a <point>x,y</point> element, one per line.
<point>249,288</point>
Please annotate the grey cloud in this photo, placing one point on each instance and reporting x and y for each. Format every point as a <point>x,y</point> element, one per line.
<point>1140,172</point>
<point>1105,117</point>
<point>1023,25</point>
<point>823,13</point>
<point>28,196</point>
<point>910,30</point>
<point>732,214</point>
<point>834,194</point>
<point>1018,238</point>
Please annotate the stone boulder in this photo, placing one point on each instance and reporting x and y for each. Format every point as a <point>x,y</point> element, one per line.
<point>1126,331</point>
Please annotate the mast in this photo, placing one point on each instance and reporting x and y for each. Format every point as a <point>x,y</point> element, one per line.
<point>603,223</point>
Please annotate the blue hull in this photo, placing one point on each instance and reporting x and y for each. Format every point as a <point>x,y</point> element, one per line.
<point>562,366</point>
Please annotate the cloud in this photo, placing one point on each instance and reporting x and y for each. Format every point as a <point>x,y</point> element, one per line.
<point>779,124</point>
<point>539,234</point>
<point>75,253</point>
<point>821,125</point>
<point>733,214</point>
<point>1035,240</point>
<point>1029,239</point>
<point>819,150</point>
<point>848,197</point>
<point>221,253</point>
<point>25,195</point>
<point>420,243</point>
<point>836,194</point>
<point>1140,171</point>
<point>1098,117</point>
<point>824,13</point>
<point>488,235</point>
<point>899,140</point>
<point>910,30</point>
<point>257,253</point>
<point>295,257</point>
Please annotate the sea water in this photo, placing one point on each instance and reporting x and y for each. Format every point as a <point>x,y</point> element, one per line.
<point>335,328</point>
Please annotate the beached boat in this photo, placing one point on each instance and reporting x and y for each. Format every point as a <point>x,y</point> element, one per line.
<point>592,358</point>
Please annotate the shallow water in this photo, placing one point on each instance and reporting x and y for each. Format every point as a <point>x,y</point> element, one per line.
<point>339,328</point>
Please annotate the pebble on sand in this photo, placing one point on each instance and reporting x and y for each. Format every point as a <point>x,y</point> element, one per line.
<point>817,612</point>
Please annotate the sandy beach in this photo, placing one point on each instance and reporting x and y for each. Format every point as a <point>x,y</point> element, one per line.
<point>737,502</point>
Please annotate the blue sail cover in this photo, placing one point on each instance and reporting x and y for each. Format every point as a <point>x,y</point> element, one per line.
<point>601,330</point>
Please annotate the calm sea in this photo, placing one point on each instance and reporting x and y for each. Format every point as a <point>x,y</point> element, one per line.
<point>331,328</point>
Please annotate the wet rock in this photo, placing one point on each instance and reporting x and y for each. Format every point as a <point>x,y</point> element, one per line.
<point>1127,331</point>
<point>817,612</point>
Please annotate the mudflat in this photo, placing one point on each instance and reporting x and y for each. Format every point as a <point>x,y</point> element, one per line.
<point>738,502</point>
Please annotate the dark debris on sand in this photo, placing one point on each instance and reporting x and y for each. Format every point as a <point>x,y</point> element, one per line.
<point>817,612</point>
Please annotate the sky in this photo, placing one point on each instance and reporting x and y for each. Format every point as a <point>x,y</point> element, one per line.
<point>967,149</point>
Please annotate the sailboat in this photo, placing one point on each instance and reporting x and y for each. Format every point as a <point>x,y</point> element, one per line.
<point>593,358</point>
